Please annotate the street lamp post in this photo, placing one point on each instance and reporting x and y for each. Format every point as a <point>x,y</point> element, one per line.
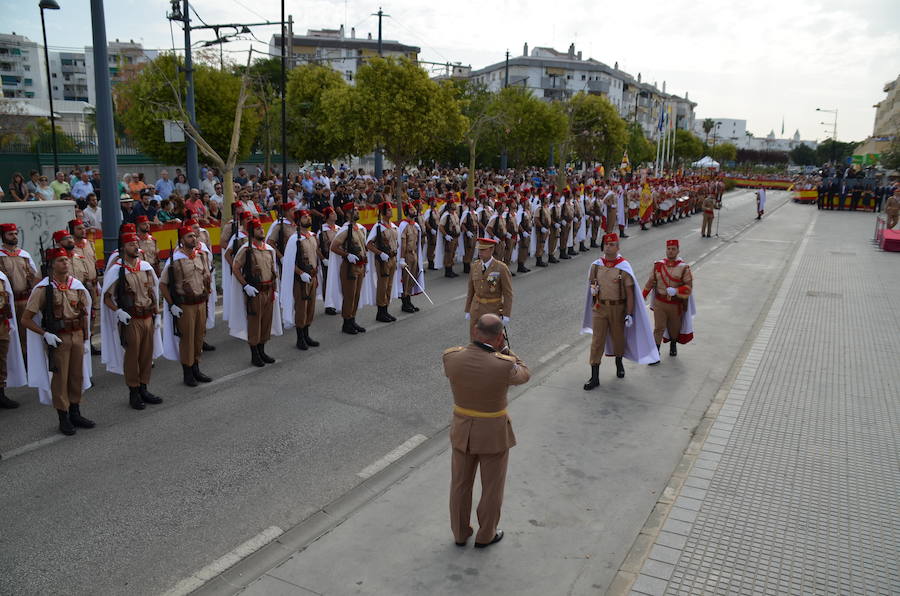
<point>833,130</point>
<point>49,5</point>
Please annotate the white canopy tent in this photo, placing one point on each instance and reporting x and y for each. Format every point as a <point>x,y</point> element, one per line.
<point>706,162</point>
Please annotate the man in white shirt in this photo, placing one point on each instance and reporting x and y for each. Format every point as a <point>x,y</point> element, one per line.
<point>209,183</point>
<point>92,216</point>
<point>217,195</point>
<point>83,187</point>
<point>164,186</point>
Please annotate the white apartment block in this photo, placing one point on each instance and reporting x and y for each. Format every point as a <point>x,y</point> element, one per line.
<point>21,67</point>
<point>734,131</point>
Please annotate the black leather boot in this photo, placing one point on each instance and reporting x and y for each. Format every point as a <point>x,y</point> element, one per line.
<point>301,340</point>
<point>330,311</point>
<point>195,370</point>
<point>673,348</point>
<point>450,272</point>
<point>309,341</point>
<point>5,402</point>
<point>65,426</point>
<point>357,327</point>
<point>134,399</point>
<point>389,315</point>
<point>431,266</point>
<point>657,362</point>
<point>208,348</point>
<point>261,348</point>
<point>594,244</point>
<point>521,268</point>
<point>189,379</point>
<point>572,252</point>
<point>349,328</point>
<point>540,262</point>
<point>77,419</point>
<point>407,304</point>
<point>582,247</point>
<point>563,254</point>
<point>594,381</point>
<point>148,397</point>
<point>552,259</point>
<point>382,316</point>
<point>620,370</point>
<point>255,358</point>
<point>467,267</point>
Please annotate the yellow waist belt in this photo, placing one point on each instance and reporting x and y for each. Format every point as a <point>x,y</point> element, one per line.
<point>478,414</point>
<point>488,300</point>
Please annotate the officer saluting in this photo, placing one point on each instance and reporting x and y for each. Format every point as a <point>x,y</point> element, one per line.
<point>490,286</point>
<point>480,433</point>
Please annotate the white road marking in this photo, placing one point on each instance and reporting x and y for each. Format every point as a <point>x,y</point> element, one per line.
<point>460,297</point>
<point>234,375</point>
<point>546,357</point>
<point>32,446</point>
<point>189,584</point>
<point>391,457</point>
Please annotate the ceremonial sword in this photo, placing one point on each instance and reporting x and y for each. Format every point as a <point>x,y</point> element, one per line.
<point>413,277</point>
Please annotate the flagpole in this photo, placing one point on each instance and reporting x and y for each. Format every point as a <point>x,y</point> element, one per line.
<point>659,133</point>
<point>671,140</point>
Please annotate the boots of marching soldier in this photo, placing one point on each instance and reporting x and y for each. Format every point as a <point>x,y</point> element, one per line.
<point>582,247</point>
<point>594,381</point>
<point>620,369</point>
<point>5,402</point>
<point>330,311</point>
<point>594,244</point>
<point>383,316</point>
<point>431,266</point>
<point>357,327</point>
<point>657,362</point>
<point>622,233</point>
<point>255,358</point>
<point>552,259</point>
<point>309,341</point>
<point>644,226</point>
<point>673,348</point>
<point>94,351</point>
<point>349,328</point>
<point>261,348</point>
<point>189,379</point>
<point>301,340</point>
<point>572,252</point>
<point>208,348</point>
<point>522,268</point>
<point>467,267</point>
<point>407,304</point>
<point>540,262</point>
<point>448,272</point>
<point>147,397</point>
<point>134,399</point>
<point>77,419</point>
<point>195,370</point>
<point>65,425</point>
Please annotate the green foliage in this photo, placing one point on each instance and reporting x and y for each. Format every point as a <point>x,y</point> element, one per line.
<point>522,124</point>
<point>708,125</point>
<point>313,91</point>
<point>803,155</point>
<point>42,139</point>
<point>723,152</point>
<point>264,72</point>
<point>144,102</point>
<point>598,132</point>
<point>395,105</point>
<point>891,158</point>
<point>830,150</point>
<point>687,146</point>
<point>640,149</point>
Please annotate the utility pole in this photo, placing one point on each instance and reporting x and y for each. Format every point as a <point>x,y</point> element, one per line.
<point>50,5</point>
<point>379,157</point>
<point>504,158</point>
<point>284,176</point>
<point>193,174</point>
<point>291,40</point>
<point>109,196</point>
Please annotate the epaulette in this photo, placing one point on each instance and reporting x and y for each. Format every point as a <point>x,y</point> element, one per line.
<point>452,350</point>
<point>505,356</point>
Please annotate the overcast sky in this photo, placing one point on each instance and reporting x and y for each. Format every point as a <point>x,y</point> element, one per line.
<point>760,61</point>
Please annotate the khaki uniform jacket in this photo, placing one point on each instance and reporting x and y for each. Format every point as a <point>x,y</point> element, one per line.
<point>493,284</point>
<point>480,378</point>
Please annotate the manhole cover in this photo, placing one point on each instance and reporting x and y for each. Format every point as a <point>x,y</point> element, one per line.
<point>821,294</point>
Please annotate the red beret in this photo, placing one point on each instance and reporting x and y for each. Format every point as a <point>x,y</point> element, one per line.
<point>348,206</point>
<point>510,202</point>
<point>129,237</point>
<point>76,222</point>
<point>672,243</point>
<point>142,219</point>
<point>8,227</point>
<point>185,230</point>
<point>60,234</point>
<point>611,237</point>
<point>55,253</point>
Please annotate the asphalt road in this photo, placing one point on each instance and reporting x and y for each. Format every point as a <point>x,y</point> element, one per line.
<point>147,498</point>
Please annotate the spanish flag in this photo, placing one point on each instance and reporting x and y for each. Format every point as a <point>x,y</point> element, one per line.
<point>625,165</point>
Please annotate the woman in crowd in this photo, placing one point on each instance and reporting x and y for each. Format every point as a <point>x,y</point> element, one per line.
<point>18,191</point>
<point>43,191</point>
<point>166,212</point>
<point>182,186</point>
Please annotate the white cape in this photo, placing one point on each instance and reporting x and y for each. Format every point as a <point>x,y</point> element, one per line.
<point>113,355</point>
<point>761,194</point>
<point>640,346</point>
<point>237,318</point>
<point>38,372</point>
<point>16,375</point>
<point>226,275</point>
<point>334,296</point>
<point>286,282</point>
<point>581,233</point>
<point>420,274</point>
<point>371,281</point>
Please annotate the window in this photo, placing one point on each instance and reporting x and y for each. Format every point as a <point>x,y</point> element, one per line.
<point>29,94</point>
<point>349,74</point>
<point>583,77</point>
<point>27,68</point>
<point>54,75</point>
<point>28,82</point>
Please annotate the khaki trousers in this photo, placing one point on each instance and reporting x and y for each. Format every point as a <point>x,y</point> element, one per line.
<point>666,317</point>
<point>138,351</point>
<point>450,251</point>
<point>430,246</point>
<point>493,480</point>
<point>524,245</point>
<point>305,302</point>
<point>541,239</point>
<point>65,383</point>
<point>607,319</point>
<point>706,227</point>
<point>612,224</point>
<point>409,286</point>
<point>351,288</point>
<point>554,240</point>
<point>259,326</point>
<point>385,281</point>
<point>508,245</point>
<point>565,236</point>
<point>192,326</point>
<point>469,245</point>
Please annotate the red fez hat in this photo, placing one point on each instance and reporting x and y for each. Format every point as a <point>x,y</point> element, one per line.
<point>129,237</point>
<point>289,205</point>
<point>471,200</point>
<point>8,227</point>
<point>611,237</point>
<point>384,205</point>
<point>55,253</point>
<point>246,215</point>
<point>566,190</point>
<point>185,230</point>
<point>327,210</point>
<point>510,202</point>
<point>76,222</point>
<point>672,243</point>
<point>191,222</point>
<point>552,187</point>
<point>60,234</point>
<point>129,227</point>
<point>142,219</point>
<point>501,194</point>
<point>302,212</point>
<point>449,195</point>
<point>253,222</point>
<point>348,206</point>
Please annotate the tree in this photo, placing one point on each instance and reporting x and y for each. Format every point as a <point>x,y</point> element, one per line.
<point>308,139</point>
<point>598,132</point>
<point>42,140</point>
<point>834,151</point>
<point>708,125</point>
<point>891,158</point>
<point>723,152</point>
<point>803,155</point>
<point>524,125</point>
<point>640,149</point>
<point>687,147</point>
<point>396,106</point>
<point>156,94</point>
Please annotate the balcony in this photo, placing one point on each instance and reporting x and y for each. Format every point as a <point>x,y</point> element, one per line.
<point>553,83</point>
<point>598,86</point>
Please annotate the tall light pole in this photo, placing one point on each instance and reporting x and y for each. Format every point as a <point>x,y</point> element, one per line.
<point>503,155</point>
<point>50,5</point>
<point>833,130</point>
<point>379,163</point>
<point>284,176</point>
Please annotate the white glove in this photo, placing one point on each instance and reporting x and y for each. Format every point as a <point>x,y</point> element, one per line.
<point>556,225</point>
<point>594,290</point>
<point>467,316</point>
<point>448,237</point>
<point>629,320</point>
<point>402,262</point>
<point>383,256</point>
<point>508,235</point>
<point>305,277</point>
<point>352,258</point>
<point>671,291</point>
<point>470,234</point>
<point>52,340</point>
<point>526,234</point>
<point>544,230</point>
<point>597,218</point>
<point>175,310</point>
<point>123,316</point>
<point>157,322</point>
<point>434,232</point>
<point>250,290</point>
<point>506,320</point>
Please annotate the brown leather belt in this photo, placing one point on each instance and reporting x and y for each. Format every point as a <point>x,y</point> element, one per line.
<point>610,302</point>
<point>19,296</point>
<point>71,325</point>
<point>195,301</point>
<point>141,312</point>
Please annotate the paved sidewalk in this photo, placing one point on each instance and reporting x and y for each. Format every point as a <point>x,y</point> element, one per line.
<point>797,487</point>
